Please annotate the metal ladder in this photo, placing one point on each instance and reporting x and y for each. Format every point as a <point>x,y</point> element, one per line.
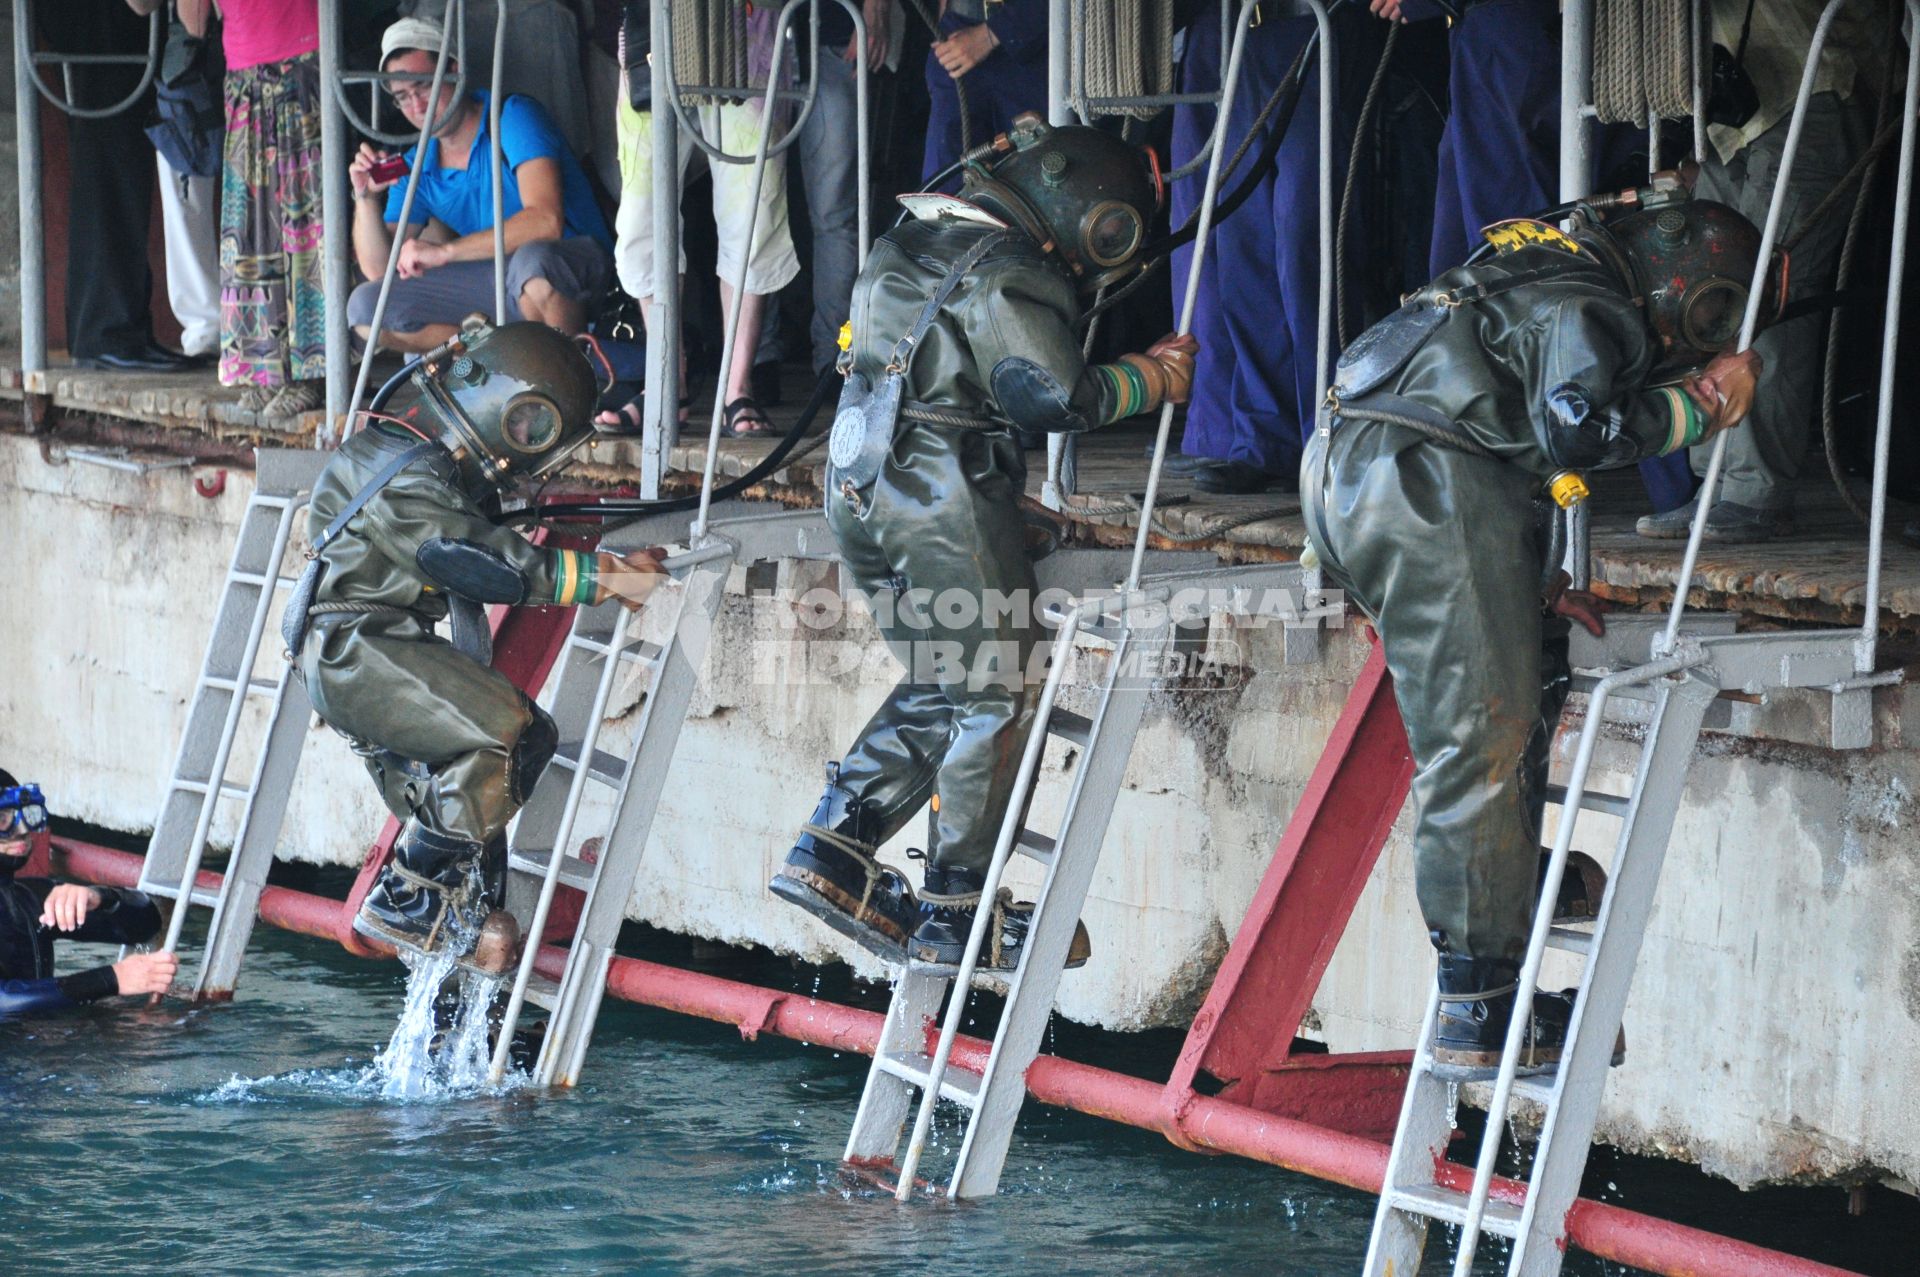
<point>228,679</point>
<point>902,1065</point>
<point>666,640</point>
<point>1420,1185</point>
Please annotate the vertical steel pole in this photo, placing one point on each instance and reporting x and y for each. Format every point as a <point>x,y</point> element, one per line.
<point>1889,349</point>
<point>1323,344</point>
<point>1054,493</point>
<point>1697,34</point>
<point>1769,236</point>
<point>33,264</point>
<point>663,335</point>
<point>499,178</point>
<point>1576,77</point>
<point>336,232</point>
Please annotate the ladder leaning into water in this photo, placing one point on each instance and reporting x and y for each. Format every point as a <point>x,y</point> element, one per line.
<point>1684,670</point>
<point>228,682</point>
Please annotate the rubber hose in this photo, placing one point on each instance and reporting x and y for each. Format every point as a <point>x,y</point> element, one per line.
<point>1340,332</point>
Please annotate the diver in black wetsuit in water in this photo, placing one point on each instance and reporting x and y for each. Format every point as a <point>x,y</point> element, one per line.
<point>34,911</point>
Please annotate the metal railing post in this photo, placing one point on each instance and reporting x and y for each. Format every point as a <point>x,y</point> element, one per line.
<point>1576,97</point>
<point>1750,324</point>
<point>336,233</point>
<point>1053,493</point>
<point>499,178</point>
<point>662,402</point>
<point>33,264</point>
<point>1866,649</point>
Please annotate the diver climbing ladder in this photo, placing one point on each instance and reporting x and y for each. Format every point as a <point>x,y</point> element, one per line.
<point>1139,632</point>
<point>1685,669</point>
<point>229,679</point>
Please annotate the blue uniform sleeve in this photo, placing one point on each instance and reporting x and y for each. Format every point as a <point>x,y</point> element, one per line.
<point>1020,26</point>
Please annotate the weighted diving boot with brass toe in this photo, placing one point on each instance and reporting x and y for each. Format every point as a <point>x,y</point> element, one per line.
<point>428,899</point>
<point>832,874</point>
<point>951,900</point>
<point>1476,1008</point>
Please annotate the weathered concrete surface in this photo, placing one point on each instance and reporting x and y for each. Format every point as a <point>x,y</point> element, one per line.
<point>1775,1021</point>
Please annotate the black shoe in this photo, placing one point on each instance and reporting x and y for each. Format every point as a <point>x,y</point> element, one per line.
<point>1476,1007</point>
<point>831,873</point>
<point>1178,462</point>
<point>951,900</point>
<point>1237,478</point>
<point>431,897</point>
<point>1582,886</point>
<point>149,358</point>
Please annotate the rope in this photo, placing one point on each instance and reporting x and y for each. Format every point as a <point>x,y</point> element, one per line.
<point>1124,51</point>
<point>356,609</point>
<point>959,85</point>
<point>710,48</point>
<point>1642,61</point>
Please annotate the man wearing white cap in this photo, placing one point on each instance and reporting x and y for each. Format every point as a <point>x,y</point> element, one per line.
<point>559,252</point>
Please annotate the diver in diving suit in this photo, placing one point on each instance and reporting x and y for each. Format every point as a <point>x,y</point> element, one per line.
<point>967,313</point>
<point>1446,422</point>
<point>454,746</point>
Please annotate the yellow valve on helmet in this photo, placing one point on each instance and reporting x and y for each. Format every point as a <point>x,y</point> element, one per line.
<point>1567,487</point>
<point>846,335</point>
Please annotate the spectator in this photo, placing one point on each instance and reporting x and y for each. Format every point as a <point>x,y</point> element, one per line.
<point>109,282</point>
<point>34,910</point>
<point>829,172</point>
<point>998,51</point>
<point>556,241</point>
<point>1257,313</point>
<point>273,300</point>
<point>1755,497</point>
<point>769,259</point>
<point>188,133</point>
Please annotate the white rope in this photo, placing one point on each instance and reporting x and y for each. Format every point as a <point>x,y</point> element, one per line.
<point>1642,61</point>
<point>710,48</point>
<point>1124,51</point>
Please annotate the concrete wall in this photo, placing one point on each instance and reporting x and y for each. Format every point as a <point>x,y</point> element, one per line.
<point>1775,1019</point>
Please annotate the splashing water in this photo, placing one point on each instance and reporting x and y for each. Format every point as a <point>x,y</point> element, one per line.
<point>419,1060</point>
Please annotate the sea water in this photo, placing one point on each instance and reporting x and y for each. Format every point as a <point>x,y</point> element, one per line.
<point>323,1122</point>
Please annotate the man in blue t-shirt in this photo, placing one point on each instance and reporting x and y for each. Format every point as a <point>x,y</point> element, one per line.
<point>559,252</point>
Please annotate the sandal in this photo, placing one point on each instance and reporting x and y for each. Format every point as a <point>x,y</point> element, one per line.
<point>254,398</point>
<point>627,419</point>
<point>743,415</point>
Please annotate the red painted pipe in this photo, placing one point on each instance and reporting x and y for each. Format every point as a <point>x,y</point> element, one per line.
<point>1611,1232</point>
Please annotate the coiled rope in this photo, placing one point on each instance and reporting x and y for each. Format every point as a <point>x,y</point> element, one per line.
<point>710,42</point>
<point>1124,51</point>
<point>1642,60</point>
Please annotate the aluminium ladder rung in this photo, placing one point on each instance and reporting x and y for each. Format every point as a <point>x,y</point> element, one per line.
<point>642,653</point>
<point>227,788</point>
<point>255,686</point>
<point>1569,940</point>
<point>1449,1206</point>
<point>1071,726</point>
<point>1538,1087</point>
<point>1607,804</point>
<point>915,1067</point>
<point>609,769</point>
<point>543,991</point>
<point>1035,844</point>
<point>261,578</point>
<point>574,872</point>
<point>205,897</point>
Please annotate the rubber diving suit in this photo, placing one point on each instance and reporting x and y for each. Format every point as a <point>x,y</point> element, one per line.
<point>1445,424</point>
<point>966,315</point>
<point>453,745</point>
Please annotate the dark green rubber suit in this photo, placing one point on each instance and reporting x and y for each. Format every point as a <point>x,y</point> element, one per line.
<point>453,745</point>
<point>937,540</point>
<point>1420,493</point>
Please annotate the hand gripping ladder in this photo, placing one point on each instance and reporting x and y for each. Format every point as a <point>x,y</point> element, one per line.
<point>902,1065</point>
<point>667,641</point>
<point>229,679</point>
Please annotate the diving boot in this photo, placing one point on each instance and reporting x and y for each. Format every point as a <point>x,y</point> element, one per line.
<point>496,949</point>
<point>832,874</point>
<point>950,901</point>
<point>1582,887</point>
<point>429,897</point>
<point>1476,1007</point>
